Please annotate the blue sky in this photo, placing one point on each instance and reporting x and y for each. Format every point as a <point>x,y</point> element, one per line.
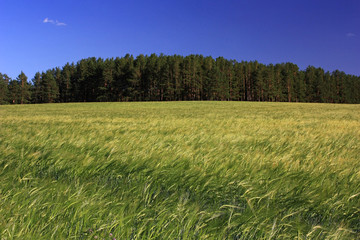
<point>38,35</point>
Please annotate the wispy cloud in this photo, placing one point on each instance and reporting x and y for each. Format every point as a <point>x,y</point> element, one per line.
<point>46,20</point>
<point>59,23</point>
<point>56,22</point>
<point>350,35</point>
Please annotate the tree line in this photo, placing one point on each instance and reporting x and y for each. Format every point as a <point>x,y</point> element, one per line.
<point>178,78</point>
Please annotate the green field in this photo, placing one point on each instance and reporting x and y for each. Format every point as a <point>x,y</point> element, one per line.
<point>180,170</point>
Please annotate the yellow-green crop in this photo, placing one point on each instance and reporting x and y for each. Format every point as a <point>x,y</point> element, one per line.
<point>180,170</point>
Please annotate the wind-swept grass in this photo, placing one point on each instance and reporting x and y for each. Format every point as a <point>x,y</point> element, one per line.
<point>180,170</point>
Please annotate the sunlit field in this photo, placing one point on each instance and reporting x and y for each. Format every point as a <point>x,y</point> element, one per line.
<point>180,170</point>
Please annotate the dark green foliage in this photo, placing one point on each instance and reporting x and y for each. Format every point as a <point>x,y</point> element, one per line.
<point>49,89</point>
<point>24,88</point>
<point>178,78</point>
<point>4,91</point>
<point>15,91</point>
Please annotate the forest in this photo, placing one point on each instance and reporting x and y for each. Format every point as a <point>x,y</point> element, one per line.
<point>178,78</point>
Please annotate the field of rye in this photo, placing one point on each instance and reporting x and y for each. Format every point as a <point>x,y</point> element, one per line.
<point>180,170</point>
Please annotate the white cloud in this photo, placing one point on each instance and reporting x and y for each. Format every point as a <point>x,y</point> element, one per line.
<point>350,34</point>
<point>47,20</point>
<point>60,23</point>
<point>56,22</point>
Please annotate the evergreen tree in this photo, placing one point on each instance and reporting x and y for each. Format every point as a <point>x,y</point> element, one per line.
<point>131,83</point>
<point>239,85</point>
<point>299,86</point>
<point>168,78</point>
<point>36,94</point>
<point>65,86</point>
<point>107,79</point>
<point>14,92</point>
<point>25,93</point>
<point>268,76</point>
<point>49,87</point>
<point>139,70</point>
<point>4,91</point>
<point>222,82</point>
<point>259,83</point>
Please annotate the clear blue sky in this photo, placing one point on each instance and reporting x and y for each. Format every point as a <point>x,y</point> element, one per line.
<point>38,35</point>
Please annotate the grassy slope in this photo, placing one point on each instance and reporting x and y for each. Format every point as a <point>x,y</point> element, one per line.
<point>180,170</point>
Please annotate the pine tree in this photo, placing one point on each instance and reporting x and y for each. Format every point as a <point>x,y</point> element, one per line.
<point>36,89</point>
<point>65,83</point>
<point>4,91</point>
<point>14,92</point>
<point>25,93</point>
<point>168,78</point>
<point>131,83</point>
<point>106,86</point>
<point>49,88</point>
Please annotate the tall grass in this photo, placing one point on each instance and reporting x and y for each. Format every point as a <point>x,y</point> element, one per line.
<point>180,170</point>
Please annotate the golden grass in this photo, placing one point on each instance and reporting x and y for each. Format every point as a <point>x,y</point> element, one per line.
<point>180,170</point>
